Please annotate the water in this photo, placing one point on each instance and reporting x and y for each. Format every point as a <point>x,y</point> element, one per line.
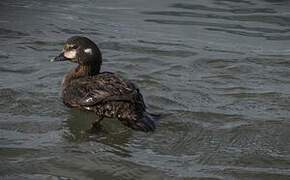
<point>215,75</point>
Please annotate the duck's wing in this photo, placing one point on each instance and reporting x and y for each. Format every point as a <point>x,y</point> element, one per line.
<point>102,88</point>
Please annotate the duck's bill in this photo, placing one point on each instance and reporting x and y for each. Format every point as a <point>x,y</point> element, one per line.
<point>60,57</point>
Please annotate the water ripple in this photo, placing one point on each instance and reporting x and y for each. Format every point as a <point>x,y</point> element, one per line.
<point>145,50</point>
<point>7,33</point>
<point>198,7</point>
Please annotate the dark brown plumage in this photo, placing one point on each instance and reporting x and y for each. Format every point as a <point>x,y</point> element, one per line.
<point>106,93</point>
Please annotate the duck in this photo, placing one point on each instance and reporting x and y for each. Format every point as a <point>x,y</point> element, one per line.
<point>107,94</point>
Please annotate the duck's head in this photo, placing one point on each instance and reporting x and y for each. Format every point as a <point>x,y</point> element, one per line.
<point>80,50</point>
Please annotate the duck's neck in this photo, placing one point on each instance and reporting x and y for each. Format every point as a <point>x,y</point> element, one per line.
<point>78,72</point>
<point>91,70</point>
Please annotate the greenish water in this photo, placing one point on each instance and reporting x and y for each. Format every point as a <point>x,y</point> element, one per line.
<point>215,75</point>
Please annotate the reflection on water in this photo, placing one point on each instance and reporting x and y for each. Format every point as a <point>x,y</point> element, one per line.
<point>215,76</point>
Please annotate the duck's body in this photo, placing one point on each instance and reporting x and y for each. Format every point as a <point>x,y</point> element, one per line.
<point>107,94</point>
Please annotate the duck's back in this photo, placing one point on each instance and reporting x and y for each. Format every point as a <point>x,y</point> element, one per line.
<point>93,92</point>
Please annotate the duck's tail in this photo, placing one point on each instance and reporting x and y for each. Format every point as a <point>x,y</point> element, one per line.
<point>145,123</point>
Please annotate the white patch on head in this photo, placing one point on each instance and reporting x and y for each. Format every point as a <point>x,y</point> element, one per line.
<point>70,54</point>
<point>88,51</point>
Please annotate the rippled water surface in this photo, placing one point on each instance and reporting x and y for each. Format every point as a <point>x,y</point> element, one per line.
<point>214,73</point>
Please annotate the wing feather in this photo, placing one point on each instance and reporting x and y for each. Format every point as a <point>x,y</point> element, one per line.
<point>104,87</point>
